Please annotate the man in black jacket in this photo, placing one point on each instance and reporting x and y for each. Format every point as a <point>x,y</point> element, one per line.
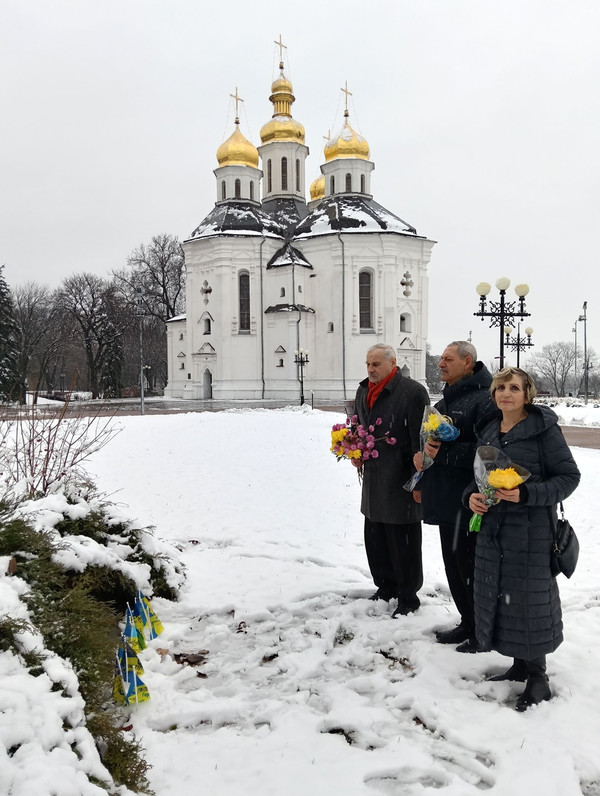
<point>392,404</point>
<point>466,398</point>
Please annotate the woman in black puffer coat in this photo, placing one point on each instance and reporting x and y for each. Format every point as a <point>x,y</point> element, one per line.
<point>517,604</point>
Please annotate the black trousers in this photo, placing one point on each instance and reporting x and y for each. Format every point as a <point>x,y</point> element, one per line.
<point>458,552</point>
<point>394,556</point>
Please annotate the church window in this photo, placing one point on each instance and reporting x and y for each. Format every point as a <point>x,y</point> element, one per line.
<point>299,288</point>
<point>297,174</point>
<point>284,174</point>
<point>182,366</point>
<point>348,182</point>
<point>405,371</point>
<point>280,365</point>
<point>405,324</point>
<point>282,292</point>
<point>244,289</point>
<point>269,176</point>
<point>252,189</point>
<point>329,327</point>
<point>332,185</point>
<point>223,190</point>
<point>365,300</point>
<point>181,335</point>
<point>207,326</point>
<point>238,189</point>
<point>362,184</point>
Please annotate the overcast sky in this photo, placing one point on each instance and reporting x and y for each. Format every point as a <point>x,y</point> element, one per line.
<point>483,121</point>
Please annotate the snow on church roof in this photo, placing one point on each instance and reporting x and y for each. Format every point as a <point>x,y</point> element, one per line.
<point>288,255</point>
<point>240,218</point>
<point>342,213</point>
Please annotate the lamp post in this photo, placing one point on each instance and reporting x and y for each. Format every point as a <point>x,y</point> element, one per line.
<point>301,359</point>
<point>139,313</point>
<point>574,330</point>
<point>518,343</point>
<point>500,312</point>
<point>585,359</point>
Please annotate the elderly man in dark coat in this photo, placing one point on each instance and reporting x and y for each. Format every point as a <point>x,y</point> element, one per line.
<point>392,518</point>
<point>466,399</point>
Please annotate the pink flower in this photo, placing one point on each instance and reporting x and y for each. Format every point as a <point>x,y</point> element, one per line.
<point>374,454</point>
<point>378,421</point>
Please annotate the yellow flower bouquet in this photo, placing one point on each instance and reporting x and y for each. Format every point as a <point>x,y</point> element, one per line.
<point>494,470</point>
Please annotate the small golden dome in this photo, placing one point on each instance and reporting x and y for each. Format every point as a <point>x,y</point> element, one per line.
<point>282,127</point>
<point>317,188</point>
<point>348,144</point>
<point>237,150</point>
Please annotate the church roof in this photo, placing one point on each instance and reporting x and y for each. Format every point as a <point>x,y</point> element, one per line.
<point>237,218</point>
<point>286,212</point>
<point>289,308</point>
<point>344,213</point>
<point>288,255</point>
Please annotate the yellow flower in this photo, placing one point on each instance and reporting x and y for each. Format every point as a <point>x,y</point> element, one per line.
<point>504,479</point>
<point>432,422</point>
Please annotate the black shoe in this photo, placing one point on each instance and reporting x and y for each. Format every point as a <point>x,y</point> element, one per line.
<point>381,595</point>
<point>517,674</point>
<point>470,645</point>
<point>404,609</point>
<point>454,636</point>
<point>537,690</point>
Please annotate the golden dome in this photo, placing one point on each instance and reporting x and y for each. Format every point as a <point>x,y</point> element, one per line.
<point>317,188</point>
<point>348,144</point>
<point>282,127</point>
<point>237,150</point>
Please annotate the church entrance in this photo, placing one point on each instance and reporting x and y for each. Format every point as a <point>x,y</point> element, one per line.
<point>207,384</point>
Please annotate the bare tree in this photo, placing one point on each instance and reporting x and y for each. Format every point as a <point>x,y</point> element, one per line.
<point>554,364</point>
<point>99,319</point>
<point>158,268</point>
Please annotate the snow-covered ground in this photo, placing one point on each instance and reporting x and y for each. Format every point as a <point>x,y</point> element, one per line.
<point>307,686</point>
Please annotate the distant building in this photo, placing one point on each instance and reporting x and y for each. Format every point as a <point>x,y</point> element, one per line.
<point>269,274</point>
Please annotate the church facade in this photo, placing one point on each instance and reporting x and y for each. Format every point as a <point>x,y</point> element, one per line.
<point>270,275</point>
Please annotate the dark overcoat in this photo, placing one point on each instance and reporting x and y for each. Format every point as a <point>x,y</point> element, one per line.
<point>400,406</point>
<point>444,482</point>
<point>517,604</point>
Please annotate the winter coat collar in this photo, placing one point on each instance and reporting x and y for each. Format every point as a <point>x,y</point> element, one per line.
<point>479,379</point>
<point>539,419</point>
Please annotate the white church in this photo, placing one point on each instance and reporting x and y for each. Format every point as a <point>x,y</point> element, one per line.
<point>270,274</point>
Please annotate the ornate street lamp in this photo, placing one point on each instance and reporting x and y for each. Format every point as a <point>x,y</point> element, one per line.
<point>518,343</point>
<point>500,312</point>
<point>301,359</point>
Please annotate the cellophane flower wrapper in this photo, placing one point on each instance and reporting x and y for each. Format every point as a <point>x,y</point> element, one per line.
<point>434,426</point>
<point>494,470</point>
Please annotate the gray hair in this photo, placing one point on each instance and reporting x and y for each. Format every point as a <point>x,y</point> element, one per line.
<point>388,350</point>
<point>464,349</point>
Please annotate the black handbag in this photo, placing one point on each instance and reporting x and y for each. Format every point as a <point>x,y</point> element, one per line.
<point>565,547</point>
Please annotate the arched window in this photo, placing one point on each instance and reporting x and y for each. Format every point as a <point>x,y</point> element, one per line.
<point>297,175</point>
<point>405,322</point>
<point>269,177</point>
<point>405,370</point>
<point>299,288</point>
<point>362,184</point>
<point>329,327</point>
<point>182,366</point>
<point>280,365</point>
<point>207,326</point>
<point>332,184</point>
<point>252,189</point>
<point>223,190</point>
<point>284,174</point>
<point>365,300</point>
<point>348,183</point>
<point>244,290</point>
<point>181,335</point>
<point>282,292</point>
<point>238,189</point>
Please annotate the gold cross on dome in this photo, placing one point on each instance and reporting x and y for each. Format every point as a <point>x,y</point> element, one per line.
<point>282,47</point>
<point>346,92</point>
<point>237,99</point>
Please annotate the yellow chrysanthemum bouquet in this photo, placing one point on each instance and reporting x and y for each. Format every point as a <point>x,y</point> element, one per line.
<point>494,470</point>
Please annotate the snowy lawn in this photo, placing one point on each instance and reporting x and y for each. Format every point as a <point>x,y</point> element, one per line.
<point>308,688</point>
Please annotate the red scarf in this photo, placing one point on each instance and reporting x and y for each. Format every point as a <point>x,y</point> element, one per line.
<point>376,388</point>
